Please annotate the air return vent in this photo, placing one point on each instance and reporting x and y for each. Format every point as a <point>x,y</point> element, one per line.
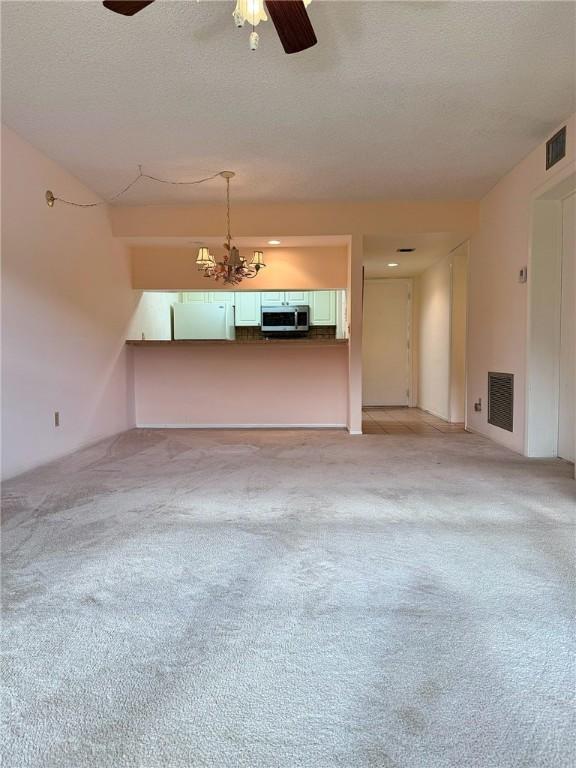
<point>501,400</point>
<point>556,148</point>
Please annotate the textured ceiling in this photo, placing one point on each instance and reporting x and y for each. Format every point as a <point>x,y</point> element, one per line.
<point>402,100</point>
<point>429,247</point>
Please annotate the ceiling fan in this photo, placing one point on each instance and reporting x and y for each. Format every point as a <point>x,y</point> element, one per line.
<point>288,16</point>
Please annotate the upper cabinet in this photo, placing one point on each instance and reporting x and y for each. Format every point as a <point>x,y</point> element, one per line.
<point>297,297</point>
<point>247,307</point>
<point>248,304</point>
<point>203,296</point>
<point>284,298</point>
<point>322,307</point>
<point>209,297</point>
<point>222,297</point>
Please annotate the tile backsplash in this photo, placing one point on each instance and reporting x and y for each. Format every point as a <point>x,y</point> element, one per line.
<point>246,332</point>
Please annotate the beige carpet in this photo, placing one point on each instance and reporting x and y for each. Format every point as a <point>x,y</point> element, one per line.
<point>177,599</point>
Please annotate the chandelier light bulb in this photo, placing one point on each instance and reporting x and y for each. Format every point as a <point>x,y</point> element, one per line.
<point>254,40</point>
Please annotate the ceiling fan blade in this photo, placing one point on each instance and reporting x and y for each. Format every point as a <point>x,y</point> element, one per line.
<point>292,24</point>
<point>126,7</point>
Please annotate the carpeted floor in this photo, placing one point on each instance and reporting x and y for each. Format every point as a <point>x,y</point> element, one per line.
<point>178,599</point>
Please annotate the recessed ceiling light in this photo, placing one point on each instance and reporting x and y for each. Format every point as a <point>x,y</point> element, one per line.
<point>405,250</point>
<point>273,242</point>
<point>393,264</point>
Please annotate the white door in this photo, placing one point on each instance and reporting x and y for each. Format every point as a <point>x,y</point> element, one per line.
<point>566,420</point>
<point>385,352</point>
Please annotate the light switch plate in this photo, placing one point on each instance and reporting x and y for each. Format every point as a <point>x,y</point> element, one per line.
<point>523,275</point>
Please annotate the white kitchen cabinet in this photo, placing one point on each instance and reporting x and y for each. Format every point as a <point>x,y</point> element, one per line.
<point>222,297</point>
<point>209,297</point>
<point>203,296</point>
<point>273,298</point>
<point>297,297</point>
<point>341,315</point>
<point>322,307</point>
<point>247,307</point>
<point>281,298</point>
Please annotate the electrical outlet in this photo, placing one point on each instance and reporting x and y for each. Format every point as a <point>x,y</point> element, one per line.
<point>478,405</point>
<point>523,275</point>
<point>56,418</point>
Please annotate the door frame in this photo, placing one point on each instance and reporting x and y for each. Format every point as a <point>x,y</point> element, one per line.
<point>543,327</point>
<point>409,281</point>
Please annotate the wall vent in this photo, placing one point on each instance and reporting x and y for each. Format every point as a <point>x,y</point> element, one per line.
<point>556,148</point>
<point>501,400</point>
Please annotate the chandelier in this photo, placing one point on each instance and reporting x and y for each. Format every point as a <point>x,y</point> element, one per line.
<point>253,12</point>
<point>233,268</point>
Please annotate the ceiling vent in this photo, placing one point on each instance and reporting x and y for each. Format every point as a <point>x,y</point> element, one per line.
<point>501,400</point>
<point>556,148</point>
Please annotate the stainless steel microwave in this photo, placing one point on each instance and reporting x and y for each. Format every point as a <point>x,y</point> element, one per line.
<point>288,319</point>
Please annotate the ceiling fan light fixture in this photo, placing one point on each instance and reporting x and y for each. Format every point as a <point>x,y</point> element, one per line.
<point>289,17</point>
<point>252,11</point>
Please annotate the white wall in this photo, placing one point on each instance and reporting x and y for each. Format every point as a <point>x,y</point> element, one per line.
<point>434,339</point>
<point>66,304</point>
<point>459,302</point>
<point>152,318</point>
<point>498,303</point>
<point>440,349</point>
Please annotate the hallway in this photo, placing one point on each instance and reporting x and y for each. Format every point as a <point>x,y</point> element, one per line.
<point>405,421</point>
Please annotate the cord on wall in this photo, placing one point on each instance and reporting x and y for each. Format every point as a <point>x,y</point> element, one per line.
<point>51,198</point>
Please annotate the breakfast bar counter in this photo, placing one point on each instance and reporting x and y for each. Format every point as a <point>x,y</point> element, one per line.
<point>242,383</point>
<point>306,341</point>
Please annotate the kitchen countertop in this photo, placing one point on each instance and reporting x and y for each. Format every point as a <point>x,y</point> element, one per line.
<point>308,342</point>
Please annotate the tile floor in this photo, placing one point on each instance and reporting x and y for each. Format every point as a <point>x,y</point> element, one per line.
<point>404,421</point>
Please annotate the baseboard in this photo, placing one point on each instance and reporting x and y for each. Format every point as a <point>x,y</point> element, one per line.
<point>355,432</point>
<point>81,446</point>
<point>241,426</point>
<point>433,413</point>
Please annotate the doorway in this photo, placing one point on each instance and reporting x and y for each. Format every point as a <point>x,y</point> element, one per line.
<point>551,387</point>
<point>386,342</point>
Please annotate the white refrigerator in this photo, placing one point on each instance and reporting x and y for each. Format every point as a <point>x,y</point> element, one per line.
<point>204,321</point>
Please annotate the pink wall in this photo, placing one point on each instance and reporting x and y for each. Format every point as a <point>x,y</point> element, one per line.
<point>498,303</point>
<point>240,384</point>
<point>173,269</point>
<point>66,301</point>
<point>300,219</point>
<point>303,220</point>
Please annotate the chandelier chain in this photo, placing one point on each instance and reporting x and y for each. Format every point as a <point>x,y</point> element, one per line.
<point>229,235</point>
